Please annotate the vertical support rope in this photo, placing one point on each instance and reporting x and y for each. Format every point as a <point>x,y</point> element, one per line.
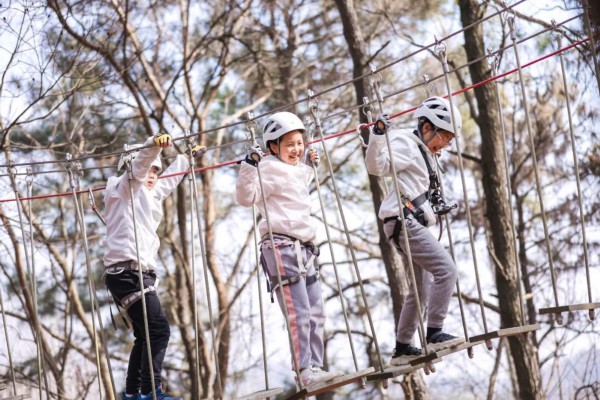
<point>195,200</point>
<point>441,52</point>
<point>41,371</point>
<point>13,176</point>
<point>260,298</point>
<point>453,255</point>
<point>68,167</point>
<point>140,275</point>
<point>314,111</point>
<point>277,262</point>
<point>193,273</point>
<point>513,35</point>
<point>577,179</point>
<point>333,262</point>
<point>411,267</point>
<point>513,234</point>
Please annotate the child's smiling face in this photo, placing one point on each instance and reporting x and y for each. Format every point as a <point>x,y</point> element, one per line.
<point>291,147</point>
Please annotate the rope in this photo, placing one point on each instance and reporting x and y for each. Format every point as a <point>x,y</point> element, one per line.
<point>333,262</point>
<point>411,267</point>
<point>330,89</point>
<point>41,371</point>
<point>511,23</point>
<point>444,60</point>
<point>577,180</point>
<point>193,210</point>
<point>453,255</point>
<point>513,234</point>
<point>314,111</point>
<point>260,298</point>
<point>89,277</point>
<point>8,348</point>
<point>194,198</point>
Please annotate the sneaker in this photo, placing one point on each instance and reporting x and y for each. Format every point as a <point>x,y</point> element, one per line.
<point>132,397</point>
<point>160,395</point>
<point>313,375</point>
<point>440,341</point>
<point>406,356</point>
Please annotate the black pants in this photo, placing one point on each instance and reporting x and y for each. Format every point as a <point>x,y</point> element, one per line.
<point>138,375</point>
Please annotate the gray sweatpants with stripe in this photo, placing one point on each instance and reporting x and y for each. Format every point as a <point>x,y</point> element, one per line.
<point>435,276</point>
<point>304,302</point>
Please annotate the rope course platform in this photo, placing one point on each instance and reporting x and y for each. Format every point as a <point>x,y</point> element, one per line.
<point>435,355</point>
<point>328,386</point>
<point>263,394</point>
<point>505,332</point>
<point>17,397</point>
<point>393,371</point>
<point>591,307</point>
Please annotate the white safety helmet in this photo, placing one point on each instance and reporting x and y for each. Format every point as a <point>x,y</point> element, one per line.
<point>279,124</point>
<point>437,110</point>
<point>155,163</point>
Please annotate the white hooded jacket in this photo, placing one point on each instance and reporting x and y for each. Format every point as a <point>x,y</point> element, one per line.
<point>287,196</point>
<point>411,170</point>
<point>119,244</point>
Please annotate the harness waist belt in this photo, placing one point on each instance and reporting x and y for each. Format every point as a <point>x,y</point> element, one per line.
<point>127,265</point>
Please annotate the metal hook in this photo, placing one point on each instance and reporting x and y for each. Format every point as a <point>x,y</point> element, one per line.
<point>493,61</point>
<point>359,128</point>
<point>29,177</point>
<point>428,85</point>
<point>439,48</point>
<point>313,106</point>
<point>251,126</point>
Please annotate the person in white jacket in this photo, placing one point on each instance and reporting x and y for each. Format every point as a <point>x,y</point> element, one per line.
<point>286,180</point>
<point>121,255</point>
<point>435,271</point>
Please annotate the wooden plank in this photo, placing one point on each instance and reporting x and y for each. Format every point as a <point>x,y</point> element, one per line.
<point>392,372</point>
<point>444,352</point>
<point>571,307</point>
<point>328,386</point>
<point>505,332</point>
<point>263,394</point>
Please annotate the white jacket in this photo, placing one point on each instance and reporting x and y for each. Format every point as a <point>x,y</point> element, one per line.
<point>411,170</point>
<point>119,244</point>
<point>286,193</point>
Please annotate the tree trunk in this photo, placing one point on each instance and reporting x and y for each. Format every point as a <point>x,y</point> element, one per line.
<point>416,389</point>
<point>523,351</point>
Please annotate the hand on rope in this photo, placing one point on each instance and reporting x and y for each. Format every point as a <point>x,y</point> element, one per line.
<point>254,155</point>
<point>163,140</point>
<point>313,156</point>
<point>382,125</point>
<point>198,151</point>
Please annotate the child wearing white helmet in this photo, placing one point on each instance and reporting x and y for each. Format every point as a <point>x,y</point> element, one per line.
<point>435,271</point>
<point>286,182</point>
<point>120,255</point>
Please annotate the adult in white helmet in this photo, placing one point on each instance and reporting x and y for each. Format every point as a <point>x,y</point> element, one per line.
<point>435,272</point>
<point>121,255</point>
<point>286,190</point>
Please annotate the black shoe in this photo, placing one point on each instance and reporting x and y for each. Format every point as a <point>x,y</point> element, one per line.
<point>405,357</point>
<point>440,340</point>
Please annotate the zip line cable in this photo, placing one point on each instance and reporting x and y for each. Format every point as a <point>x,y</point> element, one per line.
<point>332,136</point>
<point>303,100</point>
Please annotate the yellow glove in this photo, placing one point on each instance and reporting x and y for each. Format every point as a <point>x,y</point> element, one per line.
<point>163,140</point>
<point>198,150</point>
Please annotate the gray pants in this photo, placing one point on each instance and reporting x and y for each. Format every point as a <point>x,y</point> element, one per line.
<point>435,276</point>
<point>304,302</point>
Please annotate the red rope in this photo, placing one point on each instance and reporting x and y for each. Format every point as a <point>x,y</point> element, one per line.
<point>332,136</point>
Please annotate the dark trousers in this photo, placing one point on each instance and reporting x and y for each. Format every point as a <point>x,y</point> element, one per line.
<point>138,372</point>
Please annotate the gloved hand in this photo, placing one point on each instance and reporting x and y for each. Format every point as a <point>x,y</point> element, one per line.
<point>313,156</point>
<point>382,125</point>
<point>254,155</point>
<point>163,140</point>
<point>198,151</point>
